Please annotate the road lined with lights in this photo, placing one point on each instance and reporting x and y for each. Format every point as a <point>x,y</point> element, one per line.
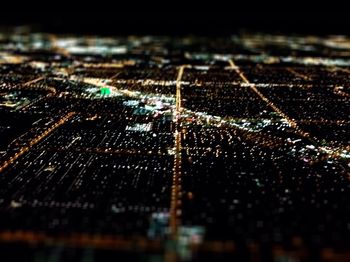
<point>109,242</point>
<point>304,77</point>
<point>290,121</point>
<point>109,151</point>
<point>175,205</point>
<point>33,81</point>
<point>35,140</point>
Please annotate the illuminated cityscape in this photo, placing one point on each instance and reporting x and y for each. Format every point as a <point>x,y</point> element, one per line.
<point>174,148</point>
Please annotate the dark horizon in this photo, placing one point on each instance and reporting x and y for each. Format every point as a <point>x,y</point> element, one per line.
<point>181,23</point>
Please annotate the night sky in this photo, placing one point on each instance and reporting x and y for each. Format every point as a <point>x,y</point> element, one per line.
<point>116,22</point>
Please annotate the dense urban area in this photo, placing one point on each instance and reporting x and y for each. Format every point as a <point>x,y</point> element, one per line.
<point>175,149</point>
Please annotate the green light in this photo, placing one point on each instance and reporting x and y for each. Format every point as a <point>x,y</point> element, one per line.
<point>105,91</point>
